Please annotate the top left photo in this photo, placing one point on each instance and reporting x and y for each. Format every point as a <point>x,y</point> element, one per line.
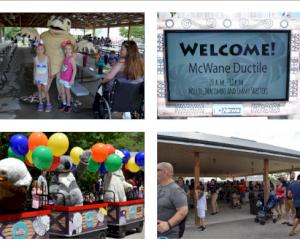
<point>72,65</point>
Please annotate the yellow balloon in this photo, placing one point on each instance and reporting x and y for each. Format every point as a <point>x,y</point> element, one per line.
<point>58,144</point>
<point>131,166</point>
<point>75,154</point>
<point>29,156</point>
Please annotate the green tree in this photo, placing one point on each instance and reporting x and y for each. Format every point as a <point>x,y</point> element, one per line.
<point>10,32</point>
<point>136,32</point>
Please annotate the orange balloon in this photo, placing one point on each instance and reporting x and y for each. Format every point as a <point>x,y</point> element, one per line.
<point>99,152</point>
<point>110,149</point>
<point>37,139</point>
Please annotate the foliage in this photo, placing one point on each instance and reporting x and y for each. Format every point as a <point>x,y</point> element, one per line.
<point>135,32</point>
<point>10,32</point>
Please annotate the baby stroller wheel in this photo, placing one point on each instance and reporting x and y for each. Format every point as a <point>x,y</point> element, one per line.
<point>256,220</point>
<point>262,222</point>
<point>274,220</point>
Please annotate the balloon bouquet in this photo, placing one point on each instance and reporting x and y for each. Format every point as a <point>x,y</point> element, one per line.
<point>46,154</point>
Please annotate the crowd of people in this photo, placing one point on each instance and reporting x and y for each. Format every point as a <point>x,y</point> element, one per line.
<point>176,197</point>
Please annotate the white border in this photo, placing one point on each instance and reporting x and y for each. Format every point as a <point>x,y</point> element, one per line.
<point>150,125</point>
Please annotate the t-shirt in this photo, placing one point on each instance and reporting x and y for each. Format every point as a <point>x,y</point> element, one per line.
<point>170,198</point>
<point>295,189</point>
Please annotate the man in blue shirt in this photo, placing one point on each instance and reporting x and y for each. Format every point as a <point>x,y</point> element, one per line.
<point>294,192</point>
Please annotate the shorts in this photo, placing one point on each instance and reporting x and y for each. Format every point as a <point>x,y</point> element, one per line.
<point>38,82</point>
<point>297,212</point>
<point>289,206</point>
<point>201,213</point>
<point>64,83</point>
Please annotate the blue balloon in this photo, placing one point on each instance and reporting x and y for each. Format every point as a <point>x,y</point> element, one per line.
<point>140,159</point>
<point>126,155</point>
<point>73,167</point>
<point>102,169</point>
<point>19,144</point>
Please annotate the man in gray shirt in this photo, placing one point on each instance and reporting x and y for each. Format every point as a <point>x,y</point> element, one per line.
<point>172,205</point>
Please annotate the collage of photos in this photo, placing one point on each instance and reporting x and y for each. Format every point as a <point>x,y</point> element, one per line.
<point>219,117</point>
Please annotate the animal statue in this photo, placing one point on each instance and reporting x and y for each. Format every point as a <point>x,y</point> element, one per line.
<point>115,186</point>
<point>59,31</point>
<point>63,185</point>
<point>15,180</point>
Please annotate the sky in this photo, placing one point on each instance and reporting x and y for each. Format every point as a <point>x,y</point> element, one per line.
<point>282,133</point>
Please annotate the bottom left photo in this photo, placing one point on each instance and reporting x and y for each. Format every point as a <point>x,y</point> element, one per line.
<point>72,185</point>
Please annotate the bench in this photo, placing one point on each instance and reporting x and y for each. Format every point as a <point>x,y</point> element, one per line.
<point>78,90</point>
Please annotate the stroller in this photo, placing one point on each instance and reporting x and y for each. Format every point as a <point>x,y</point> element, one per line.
<point>265,211</point>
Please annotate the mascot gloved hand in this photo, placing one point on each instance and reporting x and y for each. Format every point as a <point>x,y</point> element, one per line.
<point>63,186</point>
<point>15,180</point>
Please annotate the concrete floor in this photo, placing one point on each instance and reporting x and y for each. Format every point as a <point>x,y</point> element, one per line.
<point>20,84</point>
<point>235,224</point>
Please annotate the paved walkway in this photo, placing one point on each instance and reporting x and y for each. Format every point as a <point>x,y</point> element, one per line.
<point>235,224</point>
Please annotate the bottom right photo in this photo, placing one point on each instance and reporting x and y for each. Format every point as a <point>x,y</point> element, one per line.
<point>232,185</point>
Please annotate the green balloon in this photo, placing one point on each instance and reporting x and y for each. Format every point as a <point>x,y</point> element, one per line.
<point>42,157</point>
<point>11,154</point>
<point>113,162</point>
<point>93,166</point>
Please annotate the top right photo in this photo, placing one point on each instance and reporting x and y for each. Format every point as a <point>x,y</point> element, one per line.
<point>217,64</point>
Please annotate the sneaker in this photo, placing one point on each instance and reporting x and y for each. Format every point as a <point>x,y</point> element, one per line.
<point>62,107</point>
<point>67,109</point>
<point>48,108</point>
<point>41,107</point>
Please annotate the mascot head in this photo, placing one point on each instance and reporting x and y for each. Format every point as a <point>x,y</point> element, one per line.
<point>65,164</point>
<point>14,171</point>
<point>59,24</point>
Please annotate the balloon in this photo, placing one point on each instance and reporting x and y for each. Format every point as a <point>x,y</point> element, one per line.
<point>119,153</point>
<point>102,169</point>
<point>73,167</point>
<point>55,163</point>
<point>92,165</point>
<point>28,163</point>
<point>140,159</point>
<point>99,152</point>
<point>58,143</point>
<point>113,163</point>
<point>37,139</point>
<point>42,157</point>
<point>29,157</point>
<point>75,154</point>
<point>110,149</point>
<point>11,154</point>
<point>126,155</point>
<point>131,166</point>
<point>19,144</point>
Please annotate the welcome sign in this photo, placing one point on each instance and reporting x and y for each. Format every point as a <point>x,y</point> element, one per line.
<point>227,65</point>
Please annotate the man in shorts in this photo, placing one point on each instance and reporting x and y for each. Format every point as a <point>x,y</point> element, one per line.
<point>172,207</point>
<point>294,192</point>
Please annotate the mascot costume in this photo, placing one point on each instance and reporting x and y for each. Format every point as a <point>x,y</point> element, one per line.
<point>59,31</point>
<point>15,180</point>
<point>63,186</point>
<point>115,182</point>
